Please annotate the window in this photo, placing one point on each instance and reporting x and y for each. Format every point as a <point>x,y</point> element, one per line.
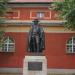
<point>40,15</point>
<point>8,45</point>
<point>13,14</point>
<point>71,45</point>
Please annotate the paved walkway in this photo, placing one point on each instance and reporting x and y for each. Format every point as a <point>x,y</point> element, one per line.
<point>9,74</point>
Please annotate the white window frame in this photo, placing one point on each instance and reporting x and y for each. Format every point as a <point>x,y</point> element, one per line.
<point>7,48</point>
<point>68,46</point>
<point>35,11</point>
<point>40,15</point>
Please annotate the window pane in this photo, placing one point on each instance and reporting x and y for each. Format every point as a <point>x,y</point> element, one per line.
<point>5,41</point>
<point>73,40</point>
<point>11,45</point>
<point>4,47</point>
<point>71,45</point>
<point>73,48</point>
<point>10,41</point>
<point>69,41</point>
<point>40,14</point>
<point>8,45</point>
<point>69,48</point>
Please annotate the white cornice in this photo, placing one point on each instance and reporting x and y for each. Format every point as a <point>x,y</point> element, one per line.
<point>29,22</point>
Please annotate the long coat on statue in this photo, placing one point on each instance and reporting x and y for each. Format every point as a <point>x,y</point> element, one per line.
<point>36,39</point>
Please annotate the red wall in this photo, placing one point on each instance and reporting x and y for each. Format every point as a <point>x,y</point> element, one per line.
<point>25,13</point>
<point>55,51</point>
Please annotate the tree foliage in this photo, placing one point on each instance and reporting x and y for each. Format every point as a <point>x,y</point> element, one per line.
<point>3,6</point>
<point>66,8</point>
<point>3,9</point>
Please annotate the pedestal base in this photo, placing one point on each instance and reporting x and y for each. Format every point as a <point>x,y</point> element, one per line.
<point>35,65</point>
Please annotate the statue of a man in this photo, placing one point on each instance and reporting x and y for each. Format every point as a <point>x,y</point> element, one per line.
<point>36,40</point>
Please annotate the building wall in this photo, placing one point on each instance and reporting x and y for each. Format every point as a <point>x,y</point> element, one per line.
<point>29,13</point>
<point>55,51</point>
<point>55,40</point>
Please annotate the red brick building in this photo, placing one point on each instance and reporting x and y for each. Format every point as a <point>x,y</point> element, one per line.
<point>60,43</point>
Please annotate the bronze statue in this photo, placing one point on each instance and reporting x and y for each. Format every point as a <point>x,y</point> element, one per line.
<point>36,40</point>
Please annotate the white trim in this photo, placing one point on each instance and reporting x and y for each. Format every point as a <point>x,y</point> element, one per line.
<point>68,45</point>
<point>34,1</point>
<point>32,11</point>
<point>18,14</point>
<point>40,15</point>
<point>7,47</point>
<point>13,17</point>
<point>72,45</point>
<point>30,21</point>
<point>51,31</point>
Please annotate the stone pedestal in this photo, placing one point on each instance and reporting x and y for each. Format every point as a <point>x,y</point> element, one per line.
<point>35,65</point>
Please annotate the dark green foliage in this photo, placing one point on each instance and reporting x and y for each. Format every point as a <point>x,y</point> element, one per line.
<point>1,37</point>
<point>67,12</point>
<point>3,9</point>
<point>3,6</point>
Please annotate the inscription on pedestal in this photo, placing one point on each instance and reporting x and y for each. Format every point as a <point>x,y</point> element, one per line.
<point>35,66</point>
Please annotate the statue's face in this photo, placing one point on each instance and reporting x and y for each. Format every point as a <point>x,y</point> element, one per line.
<point>36,22</point>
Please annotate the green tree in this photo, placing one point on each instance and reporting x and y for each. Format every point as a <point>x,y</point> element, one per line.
<point>66,8</point>
<point>2,6</point>
<point>3,9</point>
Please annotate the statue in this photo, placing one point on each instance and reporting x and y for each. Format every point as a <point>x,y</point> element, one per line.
<point>36,39</point>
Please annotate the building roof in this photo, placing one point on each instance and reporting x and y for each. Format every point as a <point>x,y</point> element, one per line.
<point>21,1</point>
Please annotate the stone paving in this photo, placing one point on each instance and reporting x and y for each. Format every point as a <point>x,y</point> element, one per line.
<point>22,74</point>
<point>9,74</point>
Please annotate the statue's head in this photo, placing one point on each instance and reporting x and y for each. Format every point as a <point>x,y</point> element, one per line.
<point>36,21</point>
